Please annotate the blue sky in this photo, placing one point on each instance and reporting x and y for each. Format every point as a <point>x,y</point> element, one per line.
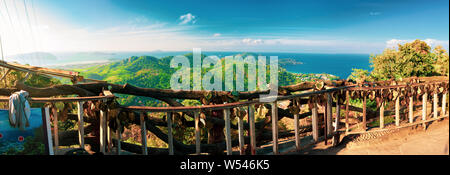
<point>349,26</point>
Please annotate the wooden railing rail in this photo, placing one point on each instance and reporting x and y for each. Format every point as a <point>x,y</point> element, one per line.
<point>226,107</point>
<point>327,94</point>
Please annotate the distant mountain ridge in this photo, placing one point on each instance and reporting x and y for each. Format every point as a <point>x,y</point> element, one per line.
<point>32,58</point>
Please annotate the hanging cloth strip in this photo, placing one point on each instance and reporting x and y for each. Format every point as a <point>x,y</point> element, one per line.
<point>19,110</point>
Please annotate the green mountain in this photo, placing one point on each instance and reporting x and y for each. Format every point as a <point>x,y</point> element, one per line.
<point>152,72</point>
<point>144,71</point>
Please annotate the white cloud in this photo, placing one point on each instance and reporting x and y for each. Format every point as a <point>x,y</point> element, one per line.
<point>393,43</point>
<point>188,18</point>
<point>55,34</point>
<point>250,41</point>
<point>374,13</point>
<point>301,42</point>
<point>52,34</point>
<point>139,20</point>
<point>289,45</point>
<point>434,42</point>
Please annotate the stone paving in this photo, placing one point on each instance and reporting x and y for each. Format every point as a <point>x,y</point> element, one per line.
<point>407,141</point>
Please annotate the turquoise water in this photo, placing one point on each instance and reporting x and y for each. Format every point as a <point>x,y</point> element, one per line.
<point>337,64</point>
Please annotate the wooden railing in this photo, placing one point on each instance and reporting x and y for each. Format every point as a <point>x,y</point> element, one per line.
<point>315,98</point>
<point>315,124</point>
<point>74,76</point>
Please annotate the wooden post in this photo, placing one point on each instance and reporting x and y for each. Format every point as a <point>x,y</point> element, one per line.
<point>325,124</point>
<point>338,114</point>
<point>197,133</point>
<point>329,114</point>
<point>251,121</point>
<point>424,109</point>
<point>297,137</point>
<point>226,113</point>
<point>347,111</point>
<point>102,131</point>
<point>143,134</point>
<point>435,105</point>
<point>444,105</point>
<point>119,135</point>
<point>275,127</point>
<point>397,111</point>
<point>338,117</point>
<point>109,131</point>
<point>48,132</point>
<point>80,124</point>
<point>169,132</point>
<point>241,135</point>
<point>411,109</point>
<point>364,112</point>
<point>315,123</point>
<point>382,115</point>
<point>55,127</point>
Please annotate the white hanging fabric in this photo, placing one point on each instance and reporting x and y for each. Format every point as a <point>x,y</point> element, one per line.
<point>19,110</point>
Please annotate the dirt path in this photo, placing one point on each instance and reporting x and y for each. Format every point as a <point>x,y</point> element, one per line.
<point>406,141</point>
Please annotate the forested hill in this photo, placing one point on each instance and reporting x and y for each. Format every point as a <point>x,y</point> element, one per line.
<point>144,71</point>
<point>152,72</point>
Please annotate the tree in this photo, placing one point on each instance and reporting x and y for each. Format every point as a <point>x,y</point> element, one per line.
<point>442,61</point>
<point>411,59</point>
<point>360,75</point>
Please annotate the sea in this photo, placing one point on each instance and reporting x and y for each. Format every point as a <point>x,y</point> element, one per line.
<point>340,65</point>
